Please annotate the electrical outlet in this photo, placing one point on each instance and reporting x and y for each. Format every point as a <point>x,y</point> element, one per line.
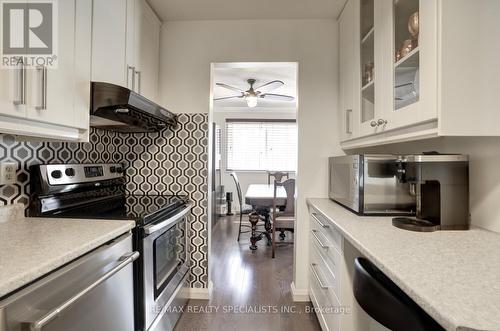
<point>7,173</point>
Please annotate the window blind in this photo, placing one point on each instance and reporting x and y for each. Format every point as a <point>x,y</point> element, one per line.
<point>261,145</point>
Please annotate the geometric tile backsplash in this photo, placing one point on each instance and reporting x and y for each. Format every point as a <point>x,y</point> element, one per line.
<point>173,161</point>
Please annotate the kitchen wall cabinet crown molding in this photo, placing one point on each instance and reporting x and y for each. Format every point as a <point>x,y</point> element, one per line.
<point>126,49</point>
<point>47,102</point>
<point>442,87</point>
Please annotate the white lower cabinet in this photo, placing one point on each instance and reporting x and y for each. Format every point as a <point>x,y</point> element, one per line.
<point>53,102</point>
<point>331,270</point>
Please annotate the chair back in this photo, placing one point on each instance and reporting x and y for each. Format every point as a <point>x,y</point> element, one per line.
<point>278,176</point>
<point>238,188</point>
<point>289,186</point>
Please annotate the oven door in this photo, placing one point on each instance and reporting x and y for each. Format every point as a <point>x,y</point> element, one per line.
<point>165,262</point>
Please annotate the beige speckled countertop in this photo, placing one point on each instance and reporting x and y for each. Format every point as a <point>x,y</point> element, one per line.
<point>453,275</point>
<point>32,247</point>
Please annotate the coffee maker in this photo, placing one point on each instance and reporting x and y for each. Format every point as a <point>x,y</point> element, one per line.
<point>440,184</point>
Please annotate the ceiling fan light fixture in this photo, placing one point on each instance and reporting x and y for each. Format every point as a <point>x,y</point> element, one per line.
<point>251,101</point>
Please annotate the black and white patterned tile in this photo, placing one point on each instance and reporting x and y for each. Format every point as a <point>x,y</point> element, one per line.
<point>167,162</point>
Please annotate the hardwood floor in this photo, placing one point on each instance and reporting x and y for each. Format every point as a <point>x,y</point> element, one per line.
<point>251,291</point>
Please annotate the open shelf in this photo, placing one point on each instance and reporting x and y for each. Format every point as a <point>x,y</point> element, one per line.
<point>368,35</point>
<point>410,60</point>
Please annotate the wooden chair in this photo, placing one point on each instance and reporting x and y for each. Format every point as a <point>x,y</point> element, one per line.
<point>244,209</point>
<point>278,176</point>
<point>283,220</point>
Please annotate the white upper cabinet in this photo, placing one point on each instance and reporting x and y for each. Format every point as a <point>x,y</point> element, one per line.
<point>52,101</point>
<point>12,93</point>
<point>347,74</point>
<point>126,49</point>
<point>109,40</point>
<point>425,69</point>
<point>147,50</point>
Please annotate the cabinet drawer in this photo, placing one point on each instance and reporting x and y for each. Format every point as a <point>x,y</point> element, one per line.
<point>328,259</point>
<point>326,305</point>
<point>329,277</point>
<point>320,223</point>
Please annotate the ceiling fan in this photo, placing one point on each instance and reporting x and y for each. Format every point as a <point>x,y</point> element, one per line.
<point>254,93</point>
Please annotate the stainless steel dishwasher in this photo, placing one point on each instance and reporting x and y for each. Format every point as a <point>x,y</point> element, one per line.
<point>94,292</point>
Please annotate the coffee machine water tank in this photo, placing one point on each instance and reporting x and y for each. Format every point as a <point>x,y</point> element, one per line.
<point>441,186</point>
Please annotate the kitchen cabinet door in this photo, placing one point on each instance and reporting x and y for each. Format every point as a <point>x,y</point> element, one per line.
<point>413,50</point>
<point>146,50</point>
<point>109,41</point>
<point>348,112</point>
<point>13,91</point>
<point>53,91</point>
<point>368,79</point>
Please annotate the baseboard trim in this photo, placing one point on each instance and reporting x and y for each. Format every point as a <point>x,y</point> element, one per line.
<point>201,293</point>
<point>299,295</point>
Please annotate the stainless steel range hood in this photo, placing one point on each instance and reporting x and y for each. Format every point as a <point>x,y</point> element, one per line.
<point>116,108</point>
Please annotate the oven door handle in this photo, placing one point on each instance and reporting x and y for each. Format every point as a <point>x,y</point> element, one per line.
<point>150,229</point>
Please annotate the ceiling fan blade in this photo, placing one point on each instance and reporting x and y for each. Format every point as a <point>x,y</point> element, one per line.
<point>279,97</point>
<point>231,97</point>
<point>268,87</point>
<point>229,87</point>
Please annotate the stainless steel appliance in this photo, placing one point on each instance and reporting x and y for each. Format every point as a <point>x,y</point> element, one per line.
<point>368,185</point>
<point>117,108</point>
<point>98,191</point>
<point>94,292</point>
<point>440,183</point>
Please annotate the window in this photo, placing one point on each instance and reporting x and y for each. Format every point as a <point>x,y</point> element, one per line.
<point>261,145</point>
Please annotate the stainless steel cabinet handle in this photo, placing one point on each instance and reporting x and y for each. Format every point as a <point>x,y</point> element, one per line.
<point>162,225</point>
<point>139,75</point>
<point>373,124</point>
<point>22,85</point>
<point>313,232</point>
<point>54,313</point>
<point>381,122</point>
<point>315,273</point>
<point>323,225</point>
<point>43,70</point>
<point>129,68</point>
<point>348,113</point>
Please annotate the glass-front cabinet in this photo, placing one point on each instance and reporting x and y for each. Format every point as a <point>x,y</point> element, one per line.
<point>417,69</point>
<point>367,77</point>
<point>414,59</point>
<point>394,77</point>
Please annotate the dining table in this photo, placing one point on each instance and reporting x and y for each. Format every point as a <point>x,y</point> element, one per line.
<point>260,197</point>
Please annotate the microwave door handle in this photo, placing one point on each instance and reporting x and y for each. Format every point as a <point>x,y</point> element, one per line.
<point>39,324</point>
<point>150,229</point>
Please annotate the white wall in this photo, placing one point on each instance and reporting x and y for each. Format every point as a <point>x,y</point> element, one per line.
<point>188,48</point>
<point>484,171</point>
<point>245,177</point>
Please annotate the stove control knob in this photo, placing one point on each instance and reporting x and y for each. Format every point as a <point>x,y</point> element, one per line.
<point>112,169</point>
<point>70,172</point>
<point>56,174</point>
<point>119,170</point>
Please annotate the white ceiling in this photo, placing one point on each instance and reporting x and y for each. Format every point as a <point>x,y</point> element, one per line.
<point>183,10</point>
<point>263,73</point>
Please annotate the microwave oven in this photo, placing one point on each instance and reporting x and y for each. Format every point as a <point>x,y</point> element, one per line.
<point>369,185</point>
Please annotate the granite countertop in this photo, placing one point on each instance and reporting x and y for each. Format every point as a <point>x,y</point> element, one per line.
<point>453,275</point>
<point>33,247</point>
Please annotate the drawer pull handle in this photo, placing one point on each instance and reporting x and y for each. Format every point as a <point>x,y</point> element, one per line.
<point>318,240</point>
<point>315,273</point>
<point>323,225</point>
